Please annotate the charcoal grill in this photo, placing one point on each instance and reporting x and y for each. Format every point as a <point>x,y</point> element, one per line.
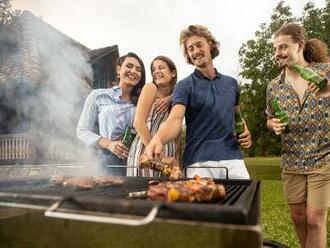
<point>238,211</point>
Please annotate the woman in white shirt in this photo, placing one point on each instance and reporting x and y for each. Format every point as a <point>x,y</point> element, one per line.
<point>108,112</point>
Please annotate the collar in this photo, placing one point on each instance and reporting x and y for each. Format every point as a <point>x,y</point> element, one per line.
<point>117,92</point>
<point>199,74</point>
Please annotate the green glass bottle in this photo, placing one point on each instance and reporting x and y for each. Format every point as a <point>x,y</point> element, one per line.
<point>279,113</point>
<point>310,76</point>
<point>239,125</point>
<point>128,136</point>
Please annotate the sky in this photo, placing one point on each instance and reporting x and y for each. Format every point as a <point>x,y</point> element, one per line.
<point>152,27</point>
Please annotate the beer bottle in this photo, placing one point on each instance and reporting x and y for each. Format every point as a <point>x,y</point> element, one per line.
<point>310,76</point>
<point>128,136</point>
<point>239,125</point>
<point>279,113</point>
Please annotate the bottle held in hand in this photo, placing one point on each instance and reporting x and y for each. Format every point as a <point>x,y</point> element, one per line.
<point>128,136</point>
<point>239,125</point>
<point>279,112</point>
<point>310,76</point>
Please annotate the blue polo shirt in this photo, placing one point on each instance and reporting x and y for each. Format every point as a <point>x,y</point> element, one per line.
<point>210,108</point>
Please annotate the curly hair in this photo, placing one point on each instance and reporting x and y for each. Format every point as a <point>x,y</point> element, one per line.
<point>202,31</point>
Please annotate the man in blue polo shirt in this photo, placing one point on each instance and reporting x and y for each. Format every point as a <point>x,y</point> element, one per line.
<point>208,100</point>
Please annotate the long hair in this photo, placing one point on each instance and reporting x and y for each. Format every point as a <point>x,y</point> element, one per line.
<point>202,31</point>
<point>170,64</point>
<point>315,50</point>
<point>137,88</point>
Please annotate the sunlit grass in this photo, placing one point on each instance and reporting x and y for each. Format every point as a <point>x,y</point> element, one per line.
<point>275,216</point>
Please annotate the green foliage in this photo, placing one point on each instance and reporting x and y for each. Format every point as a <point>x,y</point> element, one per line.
<point>259,68</point>
<point>6,12</point>
<point>275,214</point>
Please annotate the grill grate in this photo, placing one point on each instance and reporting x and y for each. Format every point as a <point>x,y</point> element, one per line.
<point>239,206</point>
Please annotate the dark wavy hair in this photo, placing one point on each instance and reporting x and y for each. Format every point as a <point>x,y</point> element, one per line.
<point>137,88</point>
<point>315,50</point>
<point>202,31</point>
<point>170,64</point>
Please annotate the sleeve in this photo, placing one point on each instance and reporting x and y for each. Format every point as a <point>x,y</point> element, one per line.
<point>181,94</point>
<point>86,126</point>
<point>269,99</point>
<point>327,72</point>
<point>238,93</point>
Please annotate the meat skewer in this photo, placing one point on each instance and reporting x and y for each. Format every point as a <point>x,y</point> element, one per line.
<point>168,166</point>
<point>195,190</point>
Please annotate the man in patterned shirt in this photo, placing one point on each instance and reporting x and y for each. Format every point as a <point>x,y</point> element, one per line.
<point>306,139</point>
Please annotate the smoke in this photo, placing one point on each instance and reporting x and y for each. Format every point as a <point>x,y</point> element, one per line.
<point>50,86</point>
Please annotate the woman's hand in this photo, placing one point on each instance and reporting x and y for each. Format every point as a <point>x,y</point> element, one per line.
<point>162,104</point>
<point>117,147</point>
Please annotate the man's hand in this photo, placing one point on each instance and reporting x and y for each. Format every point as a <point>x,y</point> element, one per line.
<point>277,126</point>
<point>162,104</point>
<point>154,149</point>
<point>244,139</point>
<point>313,88</point>
<point>117,147</point>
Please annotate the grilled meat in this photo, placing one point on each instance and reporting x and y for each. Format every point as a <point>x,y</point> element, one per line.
<point>169,166</point>
<point>195,190</point>
<point>86,182</point>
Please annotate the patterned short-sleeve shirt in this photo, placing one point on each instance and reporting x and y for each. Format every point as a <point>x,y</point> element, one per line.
<point>306,143</point>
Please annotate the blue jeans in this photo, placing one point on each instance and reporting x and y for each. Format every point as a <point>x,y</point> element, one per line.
<point>110,161</point>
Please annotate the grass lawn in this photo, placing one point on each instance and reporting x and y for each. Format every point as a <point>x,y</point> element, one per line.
<point>275,216</point>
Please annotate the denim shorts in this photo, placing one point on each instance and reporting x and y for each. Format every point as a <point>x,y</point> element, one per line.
<point>113,165</point>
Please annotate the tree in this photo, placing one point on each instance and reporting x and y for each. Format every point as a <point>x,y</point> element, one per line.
<point>7,37</point>
<point>259,68</point>
<point>6,12</point>
<point>317,21</point>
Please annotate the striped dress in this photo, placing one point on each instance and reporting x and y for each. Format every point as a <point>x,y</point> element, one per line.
<point>137,148</point>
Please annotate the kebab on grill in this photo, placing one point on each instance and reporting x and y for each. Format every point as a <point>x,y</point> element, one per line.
<point>168,166</point>
<point>195,190</point>
<point>86,182</point>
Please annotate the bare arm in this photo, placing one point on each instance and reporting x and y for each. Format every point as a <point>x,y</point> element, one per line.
<point>143,108</point>
<point>167,132</point>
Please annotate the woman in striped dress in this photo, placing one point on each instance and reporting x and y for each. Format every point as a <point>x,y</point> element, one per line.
<point>152,109</point>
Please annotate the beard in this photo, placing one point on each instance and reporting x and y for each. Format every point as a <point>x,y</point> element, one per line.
<point>282,62</point>
<point>200,62</point>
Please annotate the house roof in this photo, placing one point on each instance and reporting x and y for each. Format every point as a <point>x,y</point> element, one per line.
<point>26,63</point>
<point>96,54</point>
